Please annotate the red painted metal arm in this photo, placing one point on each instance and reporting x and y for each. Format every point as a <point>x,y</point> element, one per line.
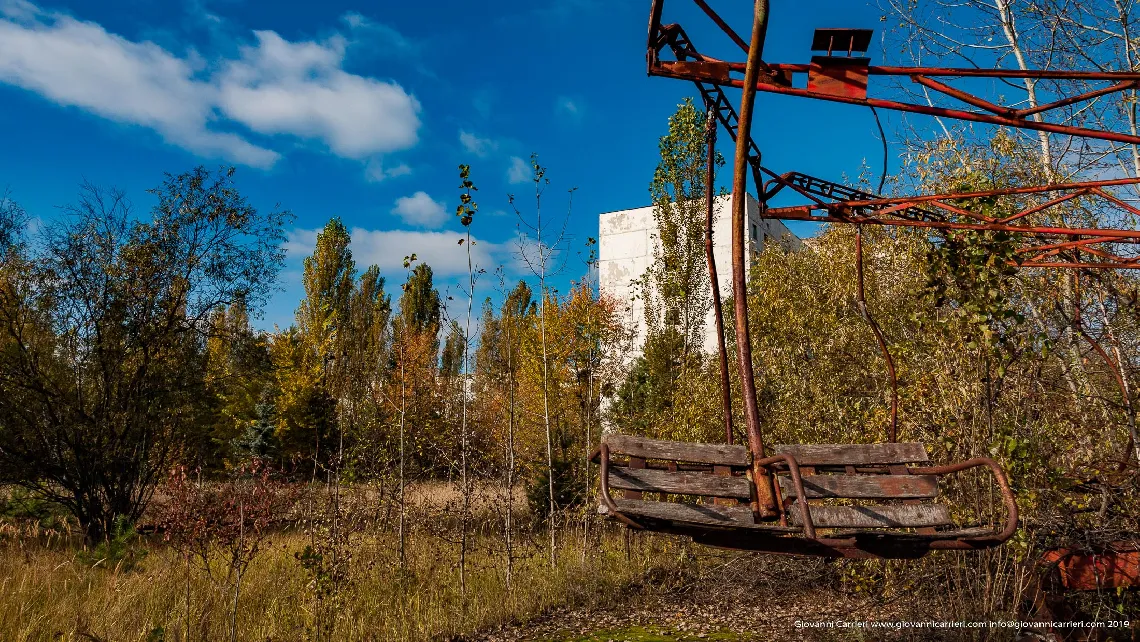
<point>1003,485</point>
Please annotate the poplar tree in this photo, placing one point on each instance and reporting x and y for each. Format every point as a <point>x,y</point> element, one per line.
<point>323,316</point>
<point>676,286</point>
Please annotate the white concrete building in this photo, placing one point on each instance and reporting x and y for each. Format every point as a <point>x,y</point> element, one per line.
<point>625,248</point>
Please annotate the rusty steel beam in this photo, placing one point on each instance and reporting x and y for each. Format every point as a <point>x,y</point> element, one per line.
<point>714,73</point>
<point>963,72</point>
<point>778,78</point>
<point>857,207</point>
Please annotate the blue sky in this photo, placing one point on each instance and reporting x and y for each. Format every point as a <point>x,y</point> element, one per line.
<point>364,111</point>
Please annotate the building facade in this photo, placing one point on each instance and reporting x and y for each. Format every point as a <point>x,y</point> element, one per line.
<point>627,239</point>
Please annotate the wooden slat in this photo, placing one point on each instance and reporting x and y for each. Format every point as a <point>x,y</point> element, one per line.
<point>854,454</point>
<point>903,516</point>
<point>677,450</point>
<point>706,514</point>
<point>864,486</point>
<point>681,482</point>
<point>899,469</point>
<point>725,471</point>
<point>638,463</point>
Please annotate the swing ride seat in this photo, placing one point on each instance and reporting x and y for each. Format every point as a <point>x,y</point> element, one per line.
<point>878,505</point>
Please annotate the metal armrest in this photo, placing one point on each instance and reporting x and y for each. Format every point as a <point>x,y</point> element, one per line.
<point>1002,482</point>
<point>603,453</point>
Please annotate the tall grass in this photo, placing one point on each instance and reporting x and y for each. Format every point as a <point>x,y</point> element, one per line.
<point>49,590</point>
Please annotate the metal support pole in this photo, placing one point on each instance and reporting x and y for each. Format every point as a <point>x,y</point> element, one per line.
<point>861,304</point>
<point>765,495</point>
<point>718,311</point>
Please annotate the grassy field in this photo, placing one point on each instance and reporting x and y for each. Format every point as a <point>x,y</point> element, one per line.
<point>54,589</point>
<point>605,585</point>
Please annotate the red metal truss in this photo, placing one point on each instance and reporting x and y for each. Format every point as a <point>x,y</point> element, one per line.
<point>845,79</point>
<point>1042,244</point>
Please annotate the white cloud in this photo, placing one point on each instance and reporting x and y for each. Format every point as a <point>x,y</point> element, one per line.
<point>375,171</point>
<point>569,107</point>
<point>420,209</point>
<point>300,243</point>
<point>440,250</point>
<point>519,171</point>
<point>19,9</point>
<point>475,145</point>
<point>281,87</point>
<point>379,36</point>
<point>276,87</point>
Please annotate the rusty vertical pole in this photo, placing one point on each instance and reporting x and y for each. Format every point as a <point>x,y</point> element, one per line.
<point>718,312</point>
<point>861,304</point>
<point>765,496</point>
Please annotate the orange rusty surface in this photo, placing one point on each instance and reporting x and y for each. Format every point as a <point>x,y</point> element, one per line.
<point>1116,567</point>
<point>844,77</point>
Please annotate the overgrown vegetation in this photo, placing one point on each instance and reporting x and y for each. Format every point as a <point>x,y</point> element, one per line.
<point>393,470</point>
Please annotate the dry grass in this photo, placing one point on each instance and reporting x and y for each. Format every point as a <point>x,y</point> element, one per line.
<point>49,590</point>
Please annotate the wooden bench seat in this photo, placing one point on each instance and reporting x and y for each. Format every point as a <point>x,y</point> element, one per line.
<point>864,486</point>
<point>866,498</point>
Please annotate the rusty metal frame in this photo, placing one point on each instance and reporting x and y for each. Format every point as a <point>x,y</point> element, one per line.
<point>1052,246</point>
<point>690,64</point>
<point>848,205</point>
<point>999,478</point>
<point>1047,245</point>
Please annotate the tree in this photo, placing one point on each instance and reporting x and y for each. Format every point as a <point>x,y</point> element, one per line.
<point>419,304</point>
<point>324,316</point>
<point>466,212</point>
<point>676,286</point>
<point>451,357</point>
<point>366,360</point>
<point>305,412</point>
<point>103,324</point>
<point>237,378</point>
<point>497,366</point>
<point>415,351</point>
<point>540,261</point>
